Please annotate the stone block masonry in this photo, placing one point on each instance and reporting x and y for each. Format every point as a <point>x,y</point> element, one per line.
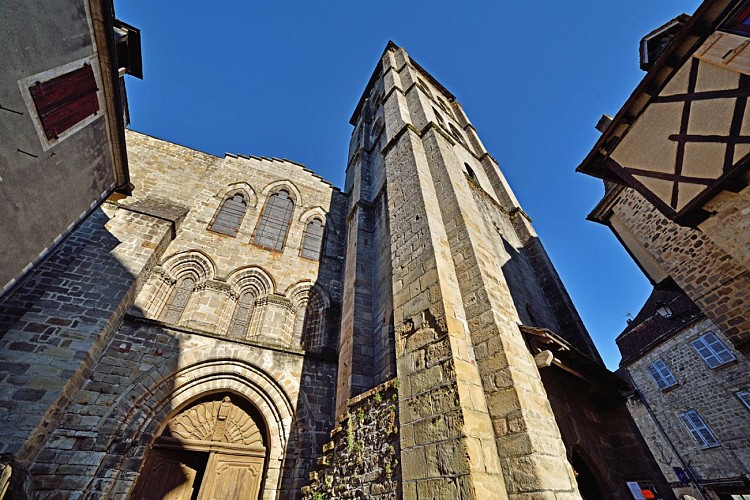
<point>56,324</point>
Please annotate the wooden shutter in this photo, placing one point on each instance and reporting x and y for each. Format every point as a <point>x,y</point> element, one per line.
<point>65,100</point>
<point>698,429</point>
<point>712,350</point>
<point>661,374</point>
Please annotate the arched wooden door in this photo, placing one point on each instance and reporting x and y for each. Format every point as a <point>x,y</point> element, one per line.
<point>212,450</point>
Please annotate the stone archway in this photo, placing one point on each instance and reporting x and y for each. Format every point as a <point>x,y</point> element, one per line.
<point>139,414</point>
<point>215,448</point>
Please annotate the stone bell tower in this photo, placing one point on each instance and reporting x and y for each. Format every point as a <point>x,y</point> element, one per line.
<point>442,267</point>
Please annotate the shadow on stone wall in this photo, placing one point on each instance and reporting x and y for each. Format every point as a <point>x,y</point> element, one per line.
<point>313,419</point>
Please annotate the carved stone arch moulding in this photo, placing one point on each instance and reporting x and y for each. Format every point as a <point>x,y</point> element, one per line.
<point>251,279</point>
<point>243,188</point>
<point>311,213</point>
<point>143,411</point>
<point>299,293</point>
<point>249,287</point>
<point>192,263</point>
<point>217,422</point>
<point>286,185</point>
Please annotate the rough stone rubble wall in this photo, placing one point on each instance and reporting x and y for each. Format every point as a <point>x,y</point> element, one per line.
<point>362,458</point>
<point>711,265</point>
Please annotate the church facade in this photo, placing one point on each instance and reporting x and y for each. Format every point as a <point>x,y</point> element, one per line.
<point>238,327</point>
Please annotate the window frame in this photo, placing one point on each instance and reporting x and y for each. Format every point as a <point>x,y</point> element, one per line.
<point>744,397</point>
<point>321,249</point>
<point>706,345</point>
<point>221,207</point>
<point>652,369</point>
<point>263,213</point>
<point>689,419</point>
<point>736,25</point>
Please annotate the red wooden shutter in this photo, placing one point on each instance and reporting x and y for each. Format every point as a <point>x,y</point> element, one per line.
<point>65,100</point>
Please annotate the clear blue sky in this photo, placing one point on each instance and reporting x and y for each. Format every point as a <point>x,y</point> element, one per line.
<point>280,78</point>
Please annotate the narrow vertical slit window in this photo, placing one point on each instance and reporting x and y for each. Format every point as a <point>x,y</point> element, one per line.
<point>274,222</point>
<point>229,217</point>
<point>438,117</point>
<point>313,323</point>
<point>178,300</point>
<point>473,177</point>
<point>312,242</point>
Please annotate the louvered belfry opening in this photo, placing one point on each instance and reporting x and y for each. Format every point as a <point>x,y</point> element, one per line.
<point>230,215</point>
<point>65,100</point>
<point>274,222</point>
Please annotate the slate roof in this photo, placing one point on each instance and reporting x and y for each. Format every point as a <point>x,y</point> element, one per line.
<point>649,328</point>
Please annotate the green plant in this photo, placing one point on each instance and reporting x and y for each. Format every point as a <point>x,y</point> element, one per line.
<point>350,434</point>
<point>378,397</point>
<point>361,414</point>
<point>319,495</point>
<point>328,482</point>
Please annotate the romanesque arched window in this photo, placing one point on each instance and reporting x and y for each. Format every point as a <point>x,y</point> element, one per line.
<point>274,221</point>
<point>229,217</point>
<point>243,311</point>
<point>310,322</point>
<point>178,299</point>
<point>312,241</point>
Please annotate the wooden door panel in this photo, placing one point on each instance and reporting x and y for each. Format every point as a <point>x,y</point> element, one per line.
<point>232,476</point>
<point>169,476</point>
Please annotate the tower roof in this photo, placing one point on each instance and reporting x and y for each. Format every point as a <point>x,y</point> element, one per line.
<point>378,72</point>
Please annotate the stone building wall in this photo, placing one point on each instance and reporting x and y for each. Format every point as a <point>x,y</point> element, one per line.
<point>600,436</point>
<point>709,264</point>
<point>138,375</point>
<point>465,370</point>
<point>711,392</point>
<point>57,323</point>
<point>362,458</point>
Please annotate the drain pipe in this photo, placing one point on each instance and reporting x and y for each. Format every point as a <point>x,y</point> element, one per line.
<point>685,467</point>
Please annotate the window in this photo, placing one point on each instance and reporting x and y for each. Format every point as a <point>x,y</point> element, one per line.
<point>310,322</point>
<point>473,177</point>
<point>227,220</point>
<point>241,316</point>
<point>439,118</point>
<point>274,222</point>
<point>744,397</point>
<point>312,241</point>
<point>422,85</point>
<point>455,133</point>
<point>741,22</point>
<point>661,374</point>
<point>64,101</point>
<point>712,350</point>
<point>175,306</point>
<point>698,429</point>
